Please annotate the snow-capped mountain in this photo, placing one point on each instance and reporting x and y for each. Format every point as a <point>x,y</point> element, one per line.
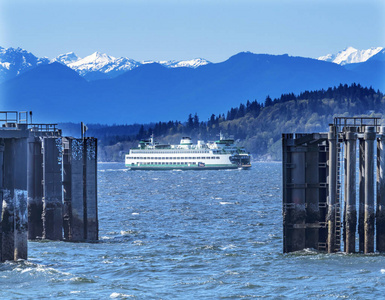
<point>95,66</point>
<point>351,55</point>
<point>193,63</point>
<point>67,58</point>
<point>111,66</point>
<point>14,62</point>
<point>100,62</point>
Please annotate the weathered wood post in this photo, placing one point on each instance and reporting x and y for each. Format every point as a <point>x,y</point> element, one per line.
<point>52,188</point>
<point>35,188</point>
<point>80,189</point>
<point>14,221</point>
<point>73,192</point>
<point>32,185</point>
<point>369,137</point>
<point>350,196</point>
<point>7,215</point>
<point>312,193</point>
<point>2,146</point>
<point>331,218</point>
<point>361,199</point>
<point>297,215</point>
<point>92,229</point>
<point>20,197</point>
<point>380,212</point>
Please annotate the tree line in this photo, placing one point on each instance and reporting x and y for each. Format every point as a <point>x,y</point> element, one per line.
<point>258,125</point>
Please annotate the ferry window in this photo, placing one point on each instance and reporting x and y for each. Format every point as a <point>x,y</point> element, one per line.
<point>194,163</point>
<point>217,157</point>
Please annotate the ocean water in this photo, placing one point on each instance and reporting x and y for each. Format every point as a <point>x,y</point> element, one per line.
<point>189,235</point>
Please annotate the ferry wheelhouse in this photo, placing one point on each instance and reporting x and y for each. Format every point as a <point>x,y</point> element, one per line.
<point>220,154</point>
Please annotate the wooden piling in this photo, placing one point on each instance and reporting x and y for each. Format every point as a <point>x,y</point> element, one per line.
<point>350,195</point>
<point>35,188</point>
<point>312,194</point>
<point>92,225</point>
<point>369,137</point>
<point>361,199</point>
<point>380,211</point>
<point>2,146</point>
<point>32,185</point>
<point>7,226</point>
<point>74,208</point>
<point>80,189</point>
<point>20,198</point>
<point>14,220</point>
<point>7,217</point>
<point>21,224</point>
<point>331,217</point>
<point>298,211</point>
<point>52,188</point>
<point>329,149</point>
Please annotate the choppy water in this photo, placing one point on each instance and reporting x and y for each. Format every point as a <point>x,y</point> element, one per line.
<point>189,235</point>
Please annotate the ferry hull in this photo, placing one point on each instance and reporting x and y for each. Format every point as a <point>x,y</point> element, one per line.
<point>163,168</point>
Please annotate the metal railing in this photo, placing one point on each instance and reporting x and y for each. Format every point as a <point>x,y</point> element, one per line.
<point>43,127</point>
<point>9,117</point>
<point>341,122</point>
<point>25,117</point>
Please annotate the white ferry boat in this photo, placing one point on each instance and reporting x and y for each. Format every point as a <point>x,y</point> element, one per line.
<point>221,154</point>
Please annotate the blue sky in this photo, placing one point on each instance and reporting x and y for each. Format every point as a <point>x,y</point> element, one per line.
<point>184,29</point>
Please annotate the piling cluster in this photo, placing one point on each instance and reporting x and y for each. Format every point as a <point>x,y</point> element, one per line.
<point>320,205</point>
<point>47,185</point>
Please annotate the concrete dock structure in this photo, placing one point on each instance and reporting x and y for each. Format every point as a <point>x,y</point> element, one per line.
<point>32,185</point>
<point>314,167</point>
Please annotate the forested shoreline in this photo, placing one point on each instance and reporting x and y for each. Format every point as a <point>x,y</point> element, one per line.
<point>257,125</point>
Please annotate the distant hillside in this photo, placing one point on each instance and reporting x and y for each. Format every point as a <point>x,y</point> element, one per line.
<point>152,93</point>
<point>261,130</point>
<point>259,126</point>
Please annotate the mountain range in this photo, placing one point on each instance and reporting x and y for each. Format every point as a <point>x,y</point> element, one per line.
<point>98,65</point>
<point>15,61</point>
<point>103,89</point>
<point>351,55</point>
